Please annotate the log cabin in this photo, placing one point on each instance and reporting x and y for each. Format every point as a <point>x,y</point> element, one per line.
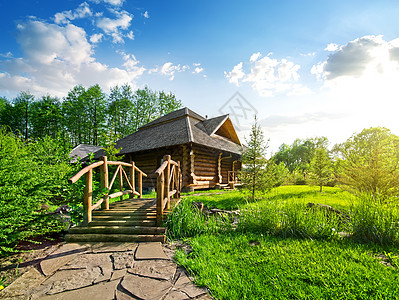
<point>209,150</point>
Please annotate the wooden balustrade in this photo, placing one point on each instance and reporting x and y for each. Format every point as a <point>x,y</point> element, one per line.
<point>169,183</point>
<point>88,206</point>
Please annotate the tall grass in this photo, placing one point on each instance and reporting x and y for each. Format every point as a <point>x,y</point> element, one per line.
<point>186,220</point>
<point>375,222</point>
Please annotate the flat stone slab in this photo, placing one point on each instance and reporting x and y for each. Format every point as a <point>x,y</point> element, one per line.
<point>84,261</point>
<point>122,260</point>
<point>113,247</point>
<point>118,274</point>
<point>67,280</point>
<point>159,269</point>
<point>103,291</point>
<point>152,250</point>
<point>185,285</point>
<point>176,295</point>
<point>144,287</point>
<point>60,257</point>
<point>23,284</point>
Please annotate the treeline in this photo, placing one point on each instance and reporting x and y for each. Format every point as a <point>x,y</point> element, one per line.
<point>85,116</point>
<point>367,163</point>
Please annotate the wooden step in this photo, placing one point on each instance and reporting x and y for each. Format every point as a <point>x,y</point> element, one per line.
<point>74,238</point>
<point>124,222</point>
<point>133,230</point>
<point>123,213</point>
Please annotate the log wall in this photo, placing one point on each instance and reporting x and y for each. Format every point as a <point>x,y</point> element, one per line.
<point>199,164</point>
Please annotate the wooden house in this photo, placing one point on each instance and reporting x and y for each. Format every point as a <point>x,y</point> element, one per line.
<point>209,150</point>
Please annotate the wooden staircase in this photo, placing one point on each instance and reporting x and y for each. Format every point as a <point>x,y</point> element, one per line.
<point>132,220</point>
<point>129,220</point>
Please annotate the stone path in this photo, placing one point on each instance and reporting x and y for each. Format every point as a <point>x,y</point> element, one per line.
<point>106,271</point>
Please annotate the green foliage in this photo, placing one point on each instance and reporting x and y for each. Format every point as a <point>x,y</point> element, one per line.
<point>254,173</point>
<point>298,156</point>
<point>256,266</point>
<point>374,223</point>
<point>321,168</point>
<point>283,249</point>
<point>186,220</point>
<point>31,174</point>
<point>370,163</point>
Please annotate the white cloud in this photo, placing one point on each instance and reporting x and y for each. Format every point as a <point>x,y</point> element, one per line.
<point>112,2</point>
<point>58,57</point>
<point>146,15</point>
<point>198,70</point>
<point>331,47</point>
<point>81,12</point>
<point>114,27</point>
<point>235,75</point>
<point>95,38</point>
<point>255,56</point>
<point>169,69</point>
<point>268,76</point>
<point>363,57</point>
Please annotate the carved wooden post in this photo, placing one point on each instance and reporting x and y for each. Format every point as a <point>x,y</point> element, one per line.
<point>140,184</point>
<point>87,197</point>
<point>160,197</point>
<point>167,179</point>
<point>178,180</point>
<point>132,178</point>
<point>121,181</point>
<point>104,181</point>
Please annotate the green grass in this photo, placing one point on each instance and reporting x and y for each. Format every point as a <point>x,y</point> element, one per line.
<point>250,266</point>
<point>281,249</point>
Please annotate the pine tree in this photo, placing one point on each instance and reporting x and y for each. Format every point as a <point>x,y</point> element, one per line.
<point>254,173</point>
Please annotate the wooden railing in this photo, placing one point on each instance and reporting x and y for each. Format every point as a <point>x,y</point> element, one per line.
<point>169,183</point>
<point>88,206</point>
<point>233,177</point>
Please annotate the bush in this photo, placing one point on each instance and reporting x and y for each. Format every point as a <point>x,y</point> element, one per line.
<point>31,174</point>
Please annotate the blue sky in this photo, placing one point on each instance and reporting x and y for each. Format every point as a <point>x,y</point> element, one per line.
<point>308,68</point>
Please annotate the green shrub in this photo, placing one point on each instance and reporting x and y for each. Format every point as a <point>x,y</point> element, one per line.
<point>32,174</point>
<point>373,222</point>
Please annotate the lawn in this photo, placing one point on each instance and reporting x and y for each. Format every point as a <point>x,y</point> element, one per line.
<point>289,255</point>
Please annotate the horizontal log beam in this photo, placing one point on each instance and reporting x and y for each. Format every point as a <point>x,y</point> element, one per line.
<point>84,171</point>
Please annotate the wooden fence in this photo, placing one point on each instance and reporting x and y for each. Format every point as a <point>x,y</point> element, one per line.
<point>169,183</point>
<point>88,206</point>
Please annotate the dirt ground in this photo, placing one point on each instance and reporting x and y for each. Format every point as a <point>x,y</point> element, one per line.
<point>30,254</point>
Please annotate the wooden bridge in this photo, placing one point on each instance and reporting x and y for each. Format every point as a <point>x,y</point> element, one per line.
<point>126,220</point>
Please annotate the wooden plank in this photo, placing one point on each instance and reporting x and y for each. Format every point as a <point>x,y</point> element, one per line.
<point>87,196</point>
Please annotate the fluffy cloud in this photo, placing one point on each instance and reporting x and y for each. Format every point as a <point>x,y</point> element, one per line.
<point>114,27</point>
<point>169,69</point>
<point>331,47</point>
<point>235,75</point>
<point>112,2</point>
<point>365,56</point>
<point>146,15</point>
<point>81,12</point>
<point>95,38</point>
<point>268,75</point>
<point>58,57</point>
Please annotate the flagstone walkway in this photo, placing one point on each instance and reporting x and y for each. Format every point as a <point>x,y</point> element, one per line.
<point>106,271</point>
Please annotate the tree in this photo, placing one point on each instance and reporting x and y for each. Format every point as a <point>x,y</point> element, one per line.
<point>371,163</point>
<point>254,173</point>
<point>321,168</point>
<point>298,156</point>
<point>46,117</point>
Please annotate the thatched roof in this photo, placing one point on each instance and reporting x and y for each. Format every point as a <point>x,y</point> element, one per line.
<point>82,151</point>
<point>179,127</point>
